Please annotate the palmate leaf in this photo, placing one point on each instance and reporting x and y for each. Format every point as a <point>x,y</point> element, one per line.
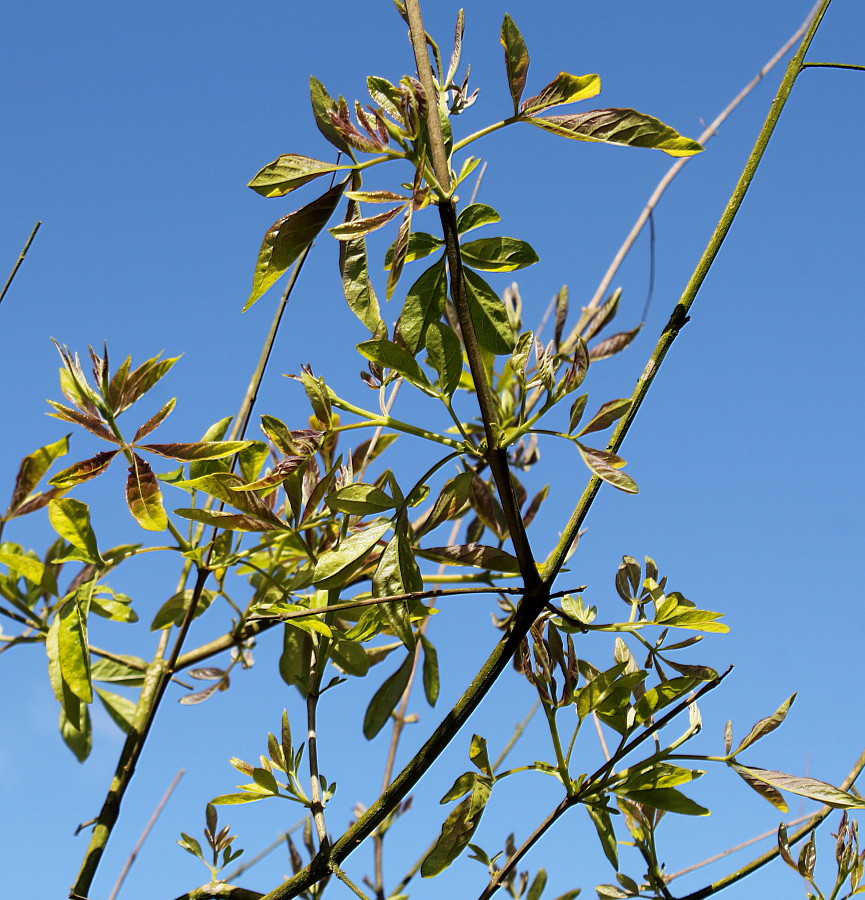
<point>288,172</point>
<point>564,88</point>
<point>288,237</point>
<point>619,126</point>
<point>144,497</point>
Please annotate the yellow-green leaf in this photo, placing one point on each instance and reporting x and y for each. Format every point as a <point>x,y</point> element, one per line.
<point>144,497</point>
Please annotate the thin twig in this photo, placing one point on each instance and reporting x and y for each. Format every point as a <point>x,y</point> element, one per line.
<point>135,850</point>
<point>677,167</point>
<point>244,867</point>
<point>723,853</point>
<point>20,260</point>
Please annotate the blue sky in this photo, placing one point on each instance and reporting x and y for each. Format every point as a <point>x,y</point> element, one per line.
<point>131,133</point>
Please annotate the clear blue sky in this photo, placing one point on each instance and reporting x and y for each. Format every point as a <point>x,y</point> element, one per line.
<point>131,131</point>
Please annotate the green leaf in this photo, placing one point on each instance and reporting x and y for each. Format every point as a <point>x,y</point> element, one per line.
<point>288,237</point>
<point>120,709</point>
<point>423,307</point>
<point>457,830</point>
<point>478,755</point>
<point>595,691</point>
<point>606,466</point>
<point>322,105</point>
<point>537,886</point>
<point>230,488</point>
<point>28,566</point>
<point>766,791</point>
<point>430,670</point>
<point>603,823</point>
<point>154,421</point>
<point>385,699</point>
<point>619,126</point>
<point>767,725</point>
<point>356,284</point>
<point>659,775</point>
<point>391,356</point>
<point>420,244</point>
<point>127,387</point>
<point>336,567</point>
<point>477,555</point>
<point>474,216</point>
<point>296,657</point>
<point>668,799</point>
<point>445,355</point>
<point>397,572</point>
<point>83,471</point>
<point>610,412</point>
<point>564,88</point>
<point>451,501</point>
<point>69,642</point>
<point>229,521</point>
<point>516,59</point>
<point>144,497</point>
<point>359,500</point>
<point>126,670</point>
<point>352,229</point>
<point>198,451</point>
<point>173,611</point>
<point>71,520</point>
<point>78,740</point>
<point>498,254</point>
<point>805,787</point>
<point>233,799</point>
<point>350,657</point>
<point>661,695</point>
<point>288,172</point>
<point>488,314</point>
<point>400,250</point>
<point>31,470</point>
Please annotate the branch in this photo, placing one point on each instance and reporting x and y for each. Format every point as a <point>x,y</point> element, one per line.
<point>20,260</point>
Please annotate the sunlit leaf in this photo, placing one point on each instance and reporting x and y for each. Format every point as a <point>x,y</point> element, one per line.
<point>430,670</point>
<point>125,391</point>
<point>420,244</point>
<point>336,567</point>
<point>288,237</point>
<point>154,421</point>
<point>606,466</point>
<point>356,228</point>
<point>602,821</point>
<point>229,521</point>
<point>766,791</point>
<point>474,216</point>
<point>457,830</point>
<point>668,799</point>
<point>83,471</point>
<point>173,611</point>
<point>391,356</point>
<point>120,709</point>
<point>360,500</point>
<point>228,488</point>
<point>564,88</point>
<point>476,555</point>
<point>498,254</point>
<point>144,497</point>
<point>78,739</point>
<point>197,451</point>
<point>400,251</point>
<point>31,470</point>
<point>516,59</point>
<point>805,787</point>
<point>619,126</point>
<point>21,564</point>
<point>70,518</point>
<point>288,172</point>
<point>424,305</point>
<point>397,572</point>
<point>614,344</point>
<point>610,412</point>
<point>322,105</point>
<point>488,314</point>
<point>356,284</point>
<point>445,354</point>
<point>767,725</point>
